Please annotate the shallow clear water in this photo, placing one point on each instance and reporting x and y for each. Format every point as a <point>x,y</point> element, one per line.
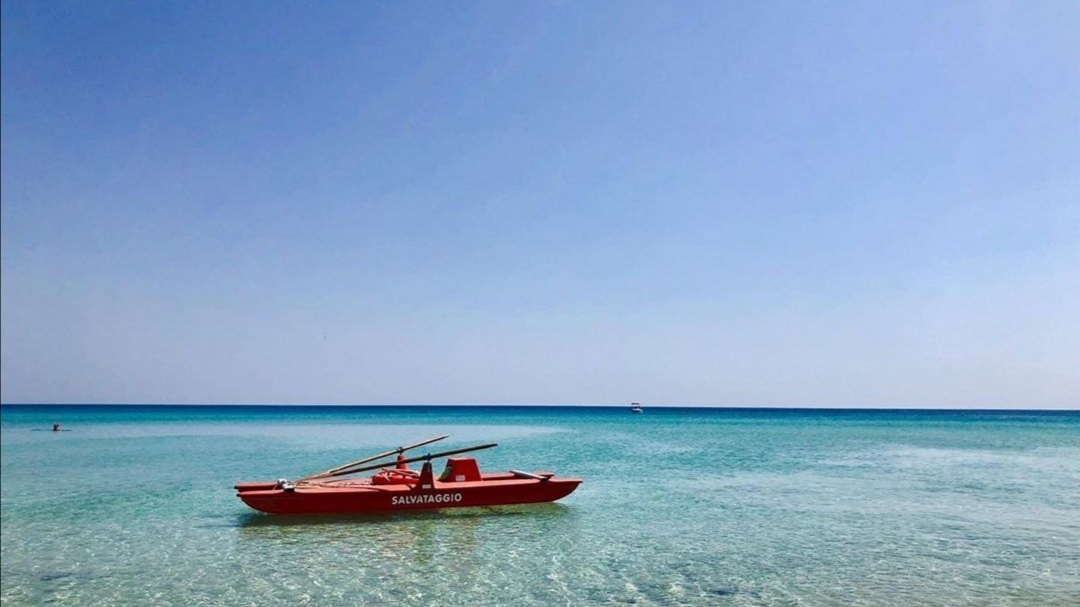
<point>134,506</point>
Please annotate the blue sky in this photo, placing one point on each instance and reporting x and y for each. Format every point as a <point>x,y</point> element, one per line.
<point>698,203</point>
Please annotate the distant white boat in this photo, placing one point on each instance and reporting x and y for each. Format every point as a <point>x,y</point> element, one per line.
<point>635,408</point>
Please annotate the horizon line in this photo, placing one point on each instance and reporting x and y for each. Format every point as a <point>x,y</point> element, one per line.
<point>554,405</point>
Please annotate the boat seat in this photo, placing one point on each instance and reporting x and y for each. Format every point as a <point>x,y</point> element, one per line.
<point>460,470</point>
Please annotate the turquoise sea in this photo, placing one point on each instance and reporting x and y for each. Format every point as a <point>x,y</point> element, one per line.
<point>134,506</point>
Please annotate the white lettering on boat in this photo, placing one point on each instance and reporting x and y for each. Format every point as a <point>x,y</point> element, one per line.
<point>428,498</point>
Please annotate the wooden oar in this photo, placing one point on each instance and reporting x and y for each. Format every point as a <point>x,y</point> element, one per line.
<point>335,471</point>
<point>520,474</point>
<point>429,456</point>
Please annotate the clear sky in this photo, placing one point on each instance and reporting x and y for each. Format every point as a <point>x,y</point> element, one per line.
<point>688,203</point>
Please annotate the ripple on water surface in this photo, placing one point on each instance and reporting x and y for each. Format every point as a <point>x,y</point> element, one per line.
<point>703,509</point>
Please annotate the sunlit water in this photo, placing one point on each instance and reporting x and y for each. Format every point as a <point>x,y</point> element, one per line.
<point>134,506</point>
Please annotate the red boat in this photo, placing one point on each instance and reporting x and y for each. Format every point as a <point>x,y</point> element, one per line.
<point>397,487</point>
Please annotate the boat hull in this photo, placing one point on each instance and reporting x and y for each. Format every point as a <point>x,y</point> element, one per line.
<point>349,498</point>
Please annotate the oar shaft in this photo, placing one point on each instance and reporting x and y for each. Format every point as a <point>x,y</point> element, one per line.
<point>337,471</point>
<point>417,459</point>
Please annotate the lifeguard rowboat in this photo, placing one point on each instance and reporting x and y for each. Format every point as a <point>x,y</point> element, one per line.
<point>393,488</point>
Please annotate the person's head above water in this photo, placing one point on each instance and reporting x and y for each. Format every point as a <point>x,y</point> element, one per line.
<point>55,427</point>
